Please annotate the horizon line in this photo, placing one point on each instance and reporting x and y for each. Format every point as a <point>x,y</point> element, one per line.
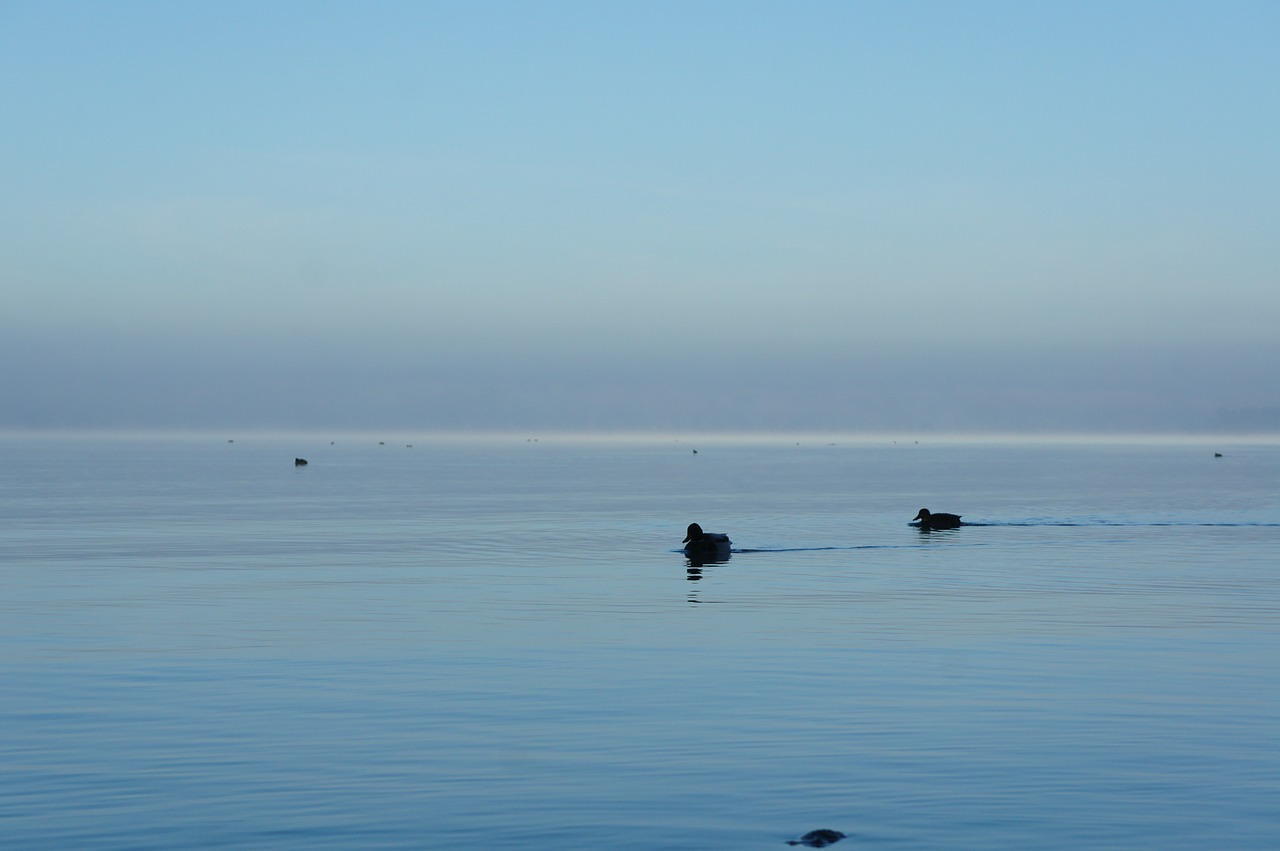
<point>653,436</point>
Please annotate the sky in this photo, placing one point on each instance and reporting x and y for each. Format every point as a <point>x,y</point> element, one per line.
<point>690,216</point>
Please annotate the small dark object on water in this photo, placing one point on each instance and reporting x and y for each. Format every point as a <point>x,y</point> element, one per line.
<point>700,544</point>
<point>936,521</point>
<point>1217,455</point>
<point>819,838</point>
<point>299,462</point>
<point>695,452</point>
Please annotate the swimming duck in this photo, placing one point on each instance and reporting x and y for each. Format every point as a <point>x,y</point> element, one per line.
<point>699,543</point>
<point>820,838</point>
<point>936,521</point>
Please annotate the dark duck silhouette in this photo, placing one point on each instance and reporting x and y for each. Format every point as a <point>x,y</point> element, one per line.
<point>819,838</point>
<point>927,520</point>
<point>705,545</point>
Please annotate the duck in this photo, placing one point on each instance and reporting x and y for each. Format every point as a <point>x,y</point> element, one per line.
<point>940,520</point>
<point>699,543</point>
<point>820,838</point>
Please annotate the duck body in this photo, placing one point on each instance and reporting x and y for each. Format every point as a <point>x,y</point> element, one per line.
<point>820,838</point>
<point>703,544</point>
<point>928,520</point>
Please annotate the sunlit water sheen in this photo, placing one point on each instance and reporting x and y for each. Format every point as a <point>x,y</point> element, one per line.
<point>499,645</point>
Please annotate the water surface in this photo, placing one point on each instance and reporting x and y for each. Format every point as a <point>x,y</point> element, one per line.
<point>498,644</point>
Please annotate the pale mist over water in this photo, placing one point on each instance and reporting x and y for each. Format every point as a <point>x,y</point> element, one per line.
<point>844,218</point>
<point>164,383</point>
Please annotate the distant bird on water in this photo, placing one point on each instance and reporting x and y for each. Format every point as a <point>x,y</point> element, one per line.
<point>926,520</point>
<point>820,838</point>
<point>299,462</point>
<point>704,544</point>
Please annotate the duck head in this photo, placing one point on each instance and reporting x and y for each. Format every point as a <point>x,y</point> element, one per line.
<point>923,516</point>
<point>693,534</point>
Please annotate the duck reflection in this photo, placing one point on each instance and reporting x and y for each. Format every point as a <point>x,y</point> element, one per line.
<point>695,563</point>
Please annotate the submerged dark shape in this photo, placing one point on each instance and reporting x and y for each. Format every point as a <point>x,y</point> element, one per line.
<point>820,838</point>
<point>299,462</point>
<point>926,520</point>
<point>705,546</point>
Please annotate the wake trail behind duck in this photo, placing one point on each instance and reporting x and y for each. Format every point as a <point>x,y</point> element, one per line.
<point>1124,523</point>
<point>824,549</point>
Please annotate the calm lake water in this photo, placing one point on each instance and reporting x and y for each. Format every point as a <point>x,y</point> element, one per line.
<point>498,644</point>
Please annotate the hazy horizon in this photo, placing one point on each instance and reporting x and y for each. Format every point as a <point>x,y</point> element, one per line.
<point>707,217</point>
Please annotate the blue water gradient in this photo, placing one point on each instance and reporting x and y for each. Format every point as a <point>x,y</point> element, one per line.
<point>498,644</point>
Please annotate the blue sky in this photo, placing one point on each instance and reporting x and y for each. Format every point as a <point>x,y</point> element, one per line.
<point>799,216</point>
